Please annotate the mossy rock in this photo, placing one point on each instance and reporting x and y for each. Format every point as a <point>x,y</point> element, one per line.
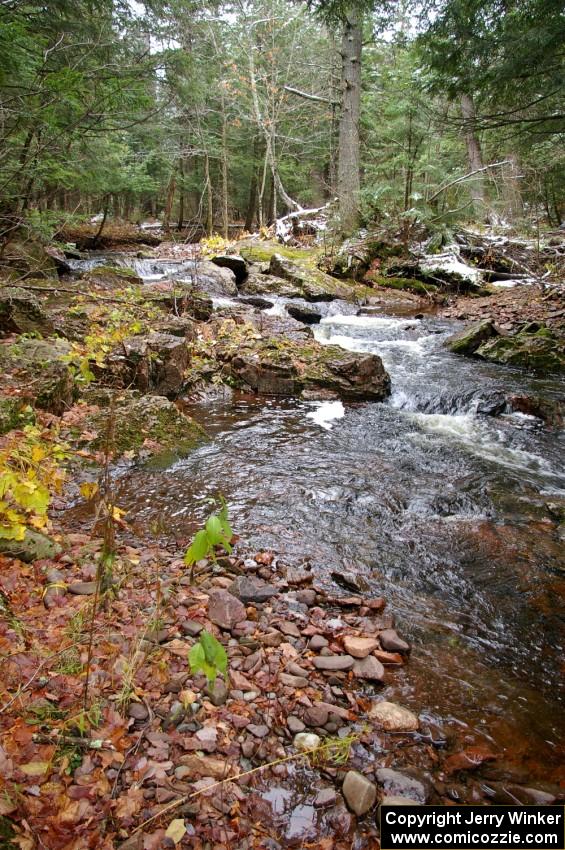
<point>537,352</point>
<point>112,278</point>
<point>14,413</point>
<point>471,337</point>
<point>403,284</point>
<point>34,547</point>
<point>38,367</point>
<point>313,284</point>
<point>257,251</point>
<point>21,312</point>
<point>152,418</point>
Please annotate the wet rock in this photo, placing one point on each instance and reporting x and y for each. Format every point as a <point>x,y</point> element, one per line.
<point>257,301</point>
<point>303,313</point>
<point>551,411</point>
<point>235,262</point>
<point>333,663</point>
<point>34,547</point>
<point>317,642</point>
<point>359,647</point>
<point>214,280</point>
<point>83,588</point>
<point>396,784</point>
<point>310,284</point>
<point>471,337</point>
<point>369,668</point>
<point>225,610</point>
<point>391,800</point>
<point>532,796</point>
<point>468,759</point>
<point>360,794</point>
<point>295,725</point>
<point>110,278</point>
<point>351,581</point>
<point>154,363</point>
<point>250,589</point>
<point>174,717</point>
<point>317,715</point>
<point>391,642</point>
<point>539,352</point>
<point>306,741</point>
<point>393,717</point>
<point>325,798</point>
<point>191,627</point>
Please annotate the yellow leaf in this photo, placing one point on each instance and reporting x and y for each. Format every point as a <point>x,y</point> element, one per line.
<point>89,489</point>
<point>38,453</point>
<point>35,768</point>
<point>117,513</point>
<point>176,830</point>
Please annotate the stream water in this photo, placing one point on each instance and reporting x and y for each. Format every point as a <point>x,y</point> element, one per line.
<point>446,509</point>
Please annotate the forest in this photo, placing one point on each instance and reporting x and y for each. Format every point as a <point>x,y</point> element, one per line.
<point>282,345</point>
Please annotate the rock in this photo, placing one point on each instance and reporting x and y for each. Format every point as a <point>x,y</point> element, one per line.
<point>34,547</point>
<point>294,724</point>
<point>273,638</point>
<point>256,301</point>
<point>239,681</point>
<point>151,418</point>
<point>138,711</point>
<point>532,796</point>
<point>174,717</point>
<point>259,731</point>
<point>154,363</point>
<point>369,668</point>
<point>252,589</point>
<point>37,366</point>
<point>360,794</point>
<point>333,663</point>
<point>110,278</point>
<point>468,759</point>
<point>391,642</point>
<point>396,784</point>
<point>305,741</point>
<point>218,694</point>
<point>317,642</point>
<point>325,798</point>
<point>22,313</point>
<point>191,627</point>
<point>303,313</point>
<point>551,411</point>
<point>293,681</point>
<point>316,715</point>
<point>83,588</point>
<point>311,284</point>
<point>306,597</point>
<point>393,717</point>
<point>349,580</point>
<point>214,280</point>
<point>192,764</point>
<point>235,262</point>
<point>290,629</point>
<point>471,337</point>
<point>390,800</point>
<point>539,352</point>
<point>225,610</point>
<point>298,577</point>
<point>359,647</point>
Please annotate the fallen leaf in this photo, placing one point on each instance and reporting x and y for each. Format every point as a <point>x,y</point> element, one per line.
<point>176,830</point>
<point>35,768</point>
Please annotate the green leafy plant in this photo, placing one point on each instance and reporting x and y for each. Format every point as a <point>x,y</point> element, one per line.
<point>208,656</point>
<point>216,532</point>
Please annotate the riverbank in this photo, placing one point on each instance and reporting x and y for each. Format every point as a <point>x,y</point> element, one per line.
<point>276,475</point>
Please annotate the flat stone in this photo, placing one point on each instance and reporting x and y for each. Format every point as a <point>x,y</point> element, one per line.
<point>335,710</point>
<point>191,627</point>
<point>293,681</point>
<point>359,647</point>
<point>250,589</point>
<point>218,694</point>
<point>369,668</point>
<point>397,784</point>
<point>225,610</point>
<point>202,765</point>
<point>391,642</point>
<point>260,731</point>
<point>393,717</point>
<point>271,639</point>
<point>307,597</point>
<point>359,792</point>
<point>391,800</point>
<point>306,741</point>
<point>83,588</point>
<point>296,577</point>
<point>316,716</point>
<point>332,663</point>
<point>290,629</point>
<point>295,724</point>
<point>297,670</point>
<point>317,642</point>
<point>350,580</point>
<point>325,798</point>
<point>239,681</point>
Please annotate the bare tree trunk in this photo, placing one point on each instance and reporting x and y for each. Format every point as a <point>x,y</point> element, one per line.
<point>474,155</point>
<point>513,206</point>
<point>252,202</point>
<point>225,199</point>
<point>169,203</point>
<point>181,193</point>
<point>209,197</point>
<point>348,169</point>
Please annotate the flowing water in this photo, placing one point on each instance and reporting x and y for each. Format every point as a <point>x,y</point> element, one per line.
<point>445,503</point>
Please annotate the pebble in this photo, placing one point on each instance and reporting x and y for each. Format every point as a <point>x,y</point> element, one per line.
<point>225,610</point>
<point>393,717</point>
<point>307,596</point>
<point>332,663</point>
<point>306,741</point>
<point>293,681</point>
<point>359,792</point>
<point>295,724</point>
<point>138,711</point>
<point>316,716</point>
<point>296,670</point>
<point>271,639</point>
<point>317,642</point>
<point>260,731</point>
<point>359,647</point>
<point>325,798</point>
<point>369,668</point>
<point>250,589</point>
<point>290,629</point>
<point>83,588</point>
<point>191,627</point>
<point>397,784</point>
<point>391,800</point>
<point>219,694</point>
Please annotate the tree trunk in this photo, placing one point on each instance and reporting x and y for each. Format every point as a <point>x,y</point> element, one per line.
<point>169,203</point>
<point>474,155</point>
<point>209,197</point>
<point>513,207</point>
<point>181,193</point>
<point>252,202</point>
<point>348,168</point>
<point>225,188</point>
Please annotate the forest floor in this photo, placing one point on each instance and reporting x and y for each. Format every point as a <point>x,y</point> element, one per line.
<point>109,738</point>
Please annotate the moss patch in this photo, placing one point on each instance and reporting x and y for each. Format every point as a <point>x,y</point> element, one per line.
<point>402,284</point>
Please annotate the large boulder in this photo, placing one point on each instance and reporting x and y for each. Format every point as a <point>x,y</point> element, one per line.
<point>38,369</point>
<point>21,313</point>
<point>258,283</point>
<point>313,284</point>
<point>150,422</point>
<point>34,547</point>
<point>235,262</point>
<point>540,352</point>
<point>110,278</point>
<point>214,280</point>
<point>289,367</point>
<point>471,337</point>
<point>154,363</point>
